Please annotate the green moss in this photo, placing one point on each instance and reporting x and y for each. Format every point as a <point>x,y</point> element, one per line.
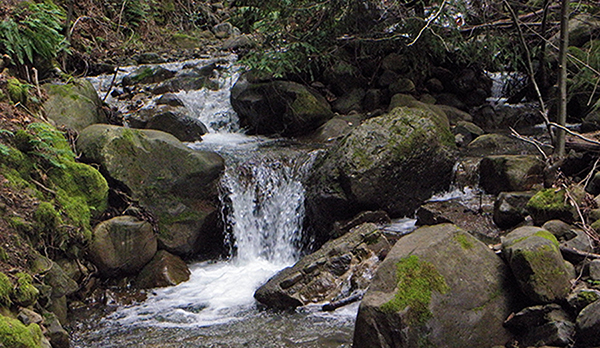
<point>548,199</point>
<point>46,217</point>
<point>77,212</point>
<point>464,241</point>
<point>587,297</point>
<point>25,293</point>
<point>82,180</point>
<point>17,91</point>
<point>3,254</point>
<point>417,280</point>
<point>14,334</point>
<point>6,290</point>
<point>545,270</point>
<point>549,236</point>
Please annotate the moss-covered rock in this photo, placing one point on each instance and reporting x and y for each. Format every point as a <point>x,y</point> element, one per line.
<point>74,105</point>
<point>14,334</point>
<point>176,184</point>
<point>510,173</point>
<point>535,259</point>
<point>6,290</point>
<point>279,107</point>
<point>392,162</point>
<point>438,287</point>
<point>25,293</point>
<point>550,204</point>
<point>148,74</point>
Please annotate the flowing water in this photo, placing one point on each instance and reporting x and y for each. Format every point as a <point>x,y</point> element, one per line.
<point>264,195</point>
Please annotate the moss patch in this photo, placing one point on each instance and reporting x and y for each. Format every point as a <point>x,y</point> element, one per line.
<point>464,241</point>
<point>6,290</point>
<point>16,335</point>
<point>416,282</point>
<point>548,199</point>
<point>25,293</point>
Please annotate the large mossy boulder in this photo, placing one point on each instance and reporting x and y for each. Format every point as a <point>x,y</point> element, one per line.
<point>15,334</point>
<point>279,107</point>
<point>75,105</point>
<point>534,257</point>
<point>505,173</point>
<point>393,162</point>
<point>551,203</point>
<point>438,287</point>
<point>122,246</point>
<point>176,184</point>
<point>340,269</point>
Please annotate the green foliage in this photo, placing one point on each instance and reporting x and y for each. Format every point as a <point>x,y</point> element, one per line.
<point>17,92</point>
<point>33,31</point>
<point>49,144</point>
<point>417,280</point>
<point>15,334</point>
<point>25,293</point>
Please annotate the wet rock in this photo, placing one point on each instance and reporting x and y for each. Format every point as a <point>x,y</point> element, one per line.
<point>169,99</point>
<point>331,130</point>
<point>510,208</point>
<point>452,211</point>
<point>75,105</point>
<point>183,126</point>
<point>122,246</point>
<point>588,325</point>
<point>377,217</point>
<point>146,75</point>
<point>542,325</point>
<point>163,270</point>
<point>338,269</point>
<point>176,184</point>
<point>510,173</point>
<point>392,162</point>
<point>279,107</point>
<point>148,58</point>
<point>437,285</point>
<point>184,83</point>
<point>536,262</point>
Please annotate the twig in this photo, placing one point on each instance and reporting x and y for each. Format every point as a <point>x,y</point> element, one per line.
<point>429,21</point>
<point>43,187</point>
<point>77,21</point>
<point>593,141</point>
<point>112,84</point>
<point>588,177</point>
<point>37,82</point>
<point>533,142</point>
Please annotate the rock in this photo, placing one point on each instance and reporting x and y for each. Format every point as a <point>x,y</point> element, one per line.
<point>148,58</point>
<point>27,316</point>
<point>582,297</point>
<point>533,255</point>
<point>122,246</point>
<point>169,99</point>
<point>510,208</point>
<point>239,42</point>
<point>223,30</point>
<point>498,144</point>
<point>402,85</point>
<point>339,269</point>
<point>377,217</point>
<point>549,204</point>
<point>386,78</point>
<point>450,99</point>
<point>392,162</point>
<point>279,107</point>
<point>374,99</point>
<point>452,211</point>
<point>184,83</point>
<point>455,116</point>
<point>25,294</point>
<point>434,85</point>
<point>59,337</point>
<point>13,334</point>
<point>331,130</point>
<point>569,236</point>
<point>163,270</point>
<point>542,325</point>
<point>351,101</point>
<point>176,184</point>
<point>588,324</point>
<point>438,286</point>
<point>405,100</point>
<point>75,105</point>
<point>146,75</point>
<point>183,126</point>
<point>595,269</point>
<point>510,173</point>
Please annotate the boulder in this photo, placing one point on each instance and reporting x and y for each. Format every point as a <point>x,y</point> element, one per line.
<point>339,269</point>
<point>164,269</point>
<point>392,162</point>
<point>438,287</point>
<point>582,297</point>
<point>545,325</point>
<point>279,107</point>
<point>146,75</point>
<point>536,262</point>
<point>588,325</point>
<point>75,105</point>
<point>174,183</point>
<point>498,144</point>
<point>122,246</point>
<point>173,121</point>
<point>550,204</point>
<point>169,99</point>
<point>504,173</point>
<point>510,208</point>
<point>569,236</point>
<point>351,101</point>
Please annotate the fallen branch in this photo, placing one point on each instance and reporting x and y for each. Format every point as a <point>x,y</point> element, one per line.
<point>429,21</point>
<point>533,142</point>
<point>580,136</point>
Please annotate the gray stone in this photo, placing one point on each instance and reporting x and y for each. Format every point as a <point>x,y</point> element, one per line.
<point>534,257</point>
<point>510,208</point>
<point>163,270</point>
<point>146,75</point>
<point>510,173</point>
<point>588,326</point>
<point>122,246</point>
<point>183,126</point>
<point>169,99</point>
<point>595,269</point>
<point>582,297</point>
<point>464,294</point>
<point>542,325</point>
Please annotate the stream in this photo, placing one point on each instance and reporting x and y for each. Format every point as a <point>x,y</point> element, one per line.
<point>263,191</point>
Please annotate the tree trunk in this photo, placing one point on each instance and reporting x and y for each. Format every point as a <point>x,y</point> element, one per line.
<point>562,77</point>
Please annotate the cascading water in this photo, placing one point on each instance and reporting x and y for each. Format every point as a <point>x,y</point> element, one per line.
<point>263,192</point>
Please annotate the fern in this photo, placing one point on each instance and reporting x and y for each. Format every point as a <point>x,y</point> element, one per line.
<point>36,32</point>
<point>50,144</point>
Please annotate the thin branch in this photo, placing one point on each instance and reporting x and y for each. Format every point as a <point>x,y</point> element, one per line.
<point>582,137</point>
<point>533,142</point>
<point>429,21</point>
